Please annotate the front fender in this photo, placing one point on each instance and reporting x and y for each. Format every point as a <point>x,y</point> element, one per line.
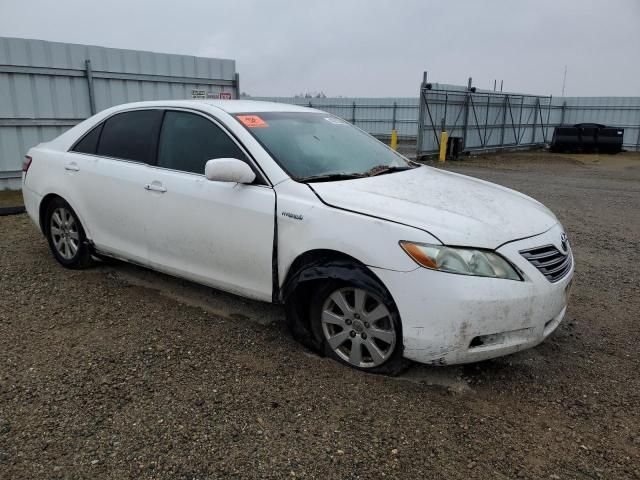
<point>306,224</point>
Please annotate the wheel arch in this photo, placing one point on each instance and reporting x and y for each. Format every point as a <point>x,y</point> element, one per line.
<point>315,266</point>
<point>42,211</point>
<point>315,259</point>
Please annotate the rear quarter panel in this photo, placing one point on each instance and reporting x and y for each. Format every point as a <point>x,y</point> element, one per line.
<point>47,175</point>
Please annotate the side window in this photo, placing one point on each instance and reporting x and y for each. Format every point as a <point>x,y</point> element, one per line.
<point>187,141</point>
<point>131,135</point>
<point>89,142</point>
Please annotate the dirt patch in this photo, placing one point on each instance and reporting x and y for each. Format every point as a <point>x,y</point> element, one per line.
<point>104,378</point>
<point>533,160</point>
<point>11,198</point>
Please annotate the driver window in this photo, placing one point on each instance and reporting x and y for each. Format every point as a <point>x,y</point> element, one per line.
<point>188,140</point>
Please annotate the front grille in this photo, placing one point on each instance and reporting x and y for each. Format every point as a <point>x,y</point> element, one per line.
<point>551,262</point>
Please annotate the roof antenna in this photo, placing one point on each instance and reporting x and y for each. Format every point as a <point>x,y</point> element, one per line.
<point>564,80</point>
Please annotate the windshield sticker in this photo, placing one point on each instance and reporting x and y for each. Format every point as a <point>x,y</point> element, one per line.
<point>335,121</point>
<point>252,121</point>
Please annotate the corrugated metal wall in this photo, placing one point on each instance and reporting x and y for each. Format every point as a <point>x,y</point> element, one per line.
<point>376,116</point>
<point>496,121</point>
<point>44,88</point>
<point>613,111</point>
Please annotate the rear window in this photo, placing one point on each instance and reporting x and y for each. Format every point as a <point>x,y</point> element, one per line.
<point>131,136</point>
<point>89,142</point>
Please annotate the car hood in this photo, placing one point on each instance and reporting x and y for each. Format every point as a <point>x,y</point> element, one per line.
<point>457,209</point>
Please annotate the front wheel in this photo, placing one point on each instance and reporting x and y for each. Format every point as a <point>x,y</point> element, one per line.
<point>358,327</point>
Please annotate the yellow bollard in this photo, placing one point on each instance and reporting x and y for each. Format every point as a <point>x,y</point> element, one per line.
<point>394,139</point>
<point>444,136</point>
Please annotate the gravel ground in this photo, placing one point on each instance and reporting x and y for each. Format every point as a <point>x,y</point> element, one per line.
<point>101,377</point>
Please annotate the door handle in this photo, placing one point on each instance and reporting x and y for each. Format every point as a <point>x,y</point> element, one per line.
<point>154,187</point>
<point>72,167</point>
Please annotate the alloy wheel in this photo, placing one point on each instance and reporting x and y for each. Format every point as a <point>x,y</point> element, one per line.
<point>64,232</point>
<point>358,327</point>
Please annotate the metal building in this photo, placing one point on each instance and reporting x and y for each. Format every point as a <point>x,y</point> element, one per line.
<point>47,87</point>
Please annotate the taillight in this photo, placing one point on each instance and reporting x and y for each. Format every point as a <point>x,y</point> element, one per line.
<point>27,163</point>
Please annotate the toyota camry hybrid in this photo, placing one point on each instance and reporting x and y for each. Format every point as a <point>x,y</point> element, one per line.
<point>378,260</point>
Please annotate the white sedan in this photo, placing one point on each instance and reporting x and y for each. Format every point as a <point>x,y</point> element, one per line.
<point>377,260</point>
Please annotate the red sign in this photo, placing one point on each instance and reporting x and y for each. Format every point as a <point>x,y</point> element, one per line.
<point>225,96</point>
<point>252,121</point>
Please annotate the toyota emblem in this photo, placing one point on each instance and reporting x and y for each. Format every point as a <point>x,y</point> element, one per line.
<point>564,241</point>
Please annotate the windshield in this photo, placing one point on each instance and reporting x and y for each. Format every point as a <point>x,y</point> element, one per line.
<point>309,145</point>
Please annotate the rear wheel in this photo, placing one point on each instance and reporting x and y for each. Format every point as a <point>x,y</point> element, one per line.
<point>66,236</point>
<point>358,327</point>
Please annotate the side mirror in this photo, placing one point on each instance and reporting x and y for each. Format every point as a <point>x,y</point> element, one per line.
<point>228,170</point>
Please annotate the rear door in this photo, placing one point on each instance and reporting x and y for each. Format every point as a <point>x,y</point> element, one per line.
<point>109,166</point>
<point>217,233</point>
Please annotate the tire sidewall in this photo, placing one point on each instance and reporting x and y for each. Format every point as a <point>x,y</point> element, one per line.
<point>396,362</point>
<point>80,258</point>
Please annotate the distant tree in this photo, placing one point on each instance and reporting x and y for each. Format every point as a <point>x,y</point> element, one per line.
<point>310,95</point>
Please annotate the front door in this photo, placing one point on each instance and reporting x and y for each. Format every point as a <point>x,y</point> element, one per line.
<point>216,233</point>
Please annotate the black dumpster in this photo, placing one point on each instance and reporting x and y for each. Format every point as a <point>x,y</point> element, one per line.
<point>587,138</point>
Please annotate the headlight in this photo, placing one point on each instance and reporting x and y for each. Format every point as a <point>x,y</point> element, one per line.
<point>465,261</point>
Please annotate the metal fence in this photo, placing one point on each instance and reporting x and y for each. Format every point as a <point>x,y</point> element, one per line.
<point>484,120</point>
<point>47,87</point>
<point>623,112</point>
<point>489,120</point>
<point>377,116</point>
<point>493,120</point>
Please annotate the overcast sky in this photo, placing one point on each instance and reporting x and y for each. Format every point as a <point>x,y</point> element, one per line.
<point>366,47</point>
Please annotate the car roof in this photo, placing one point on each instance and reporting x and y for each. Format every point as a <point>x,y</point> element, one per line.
<point>229,106</point>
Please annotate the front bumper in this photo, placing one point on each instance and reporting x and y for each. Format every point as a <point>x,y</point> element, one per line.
<point>449,318</point>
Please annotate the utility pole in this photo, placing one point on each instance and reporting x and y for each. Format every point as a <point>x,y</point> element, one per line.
<point>564,80</point>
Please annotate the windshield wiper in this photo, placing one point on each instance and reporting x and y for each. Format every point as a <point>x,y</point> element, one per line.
<point>382,169</point>
<point>330,177</point>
